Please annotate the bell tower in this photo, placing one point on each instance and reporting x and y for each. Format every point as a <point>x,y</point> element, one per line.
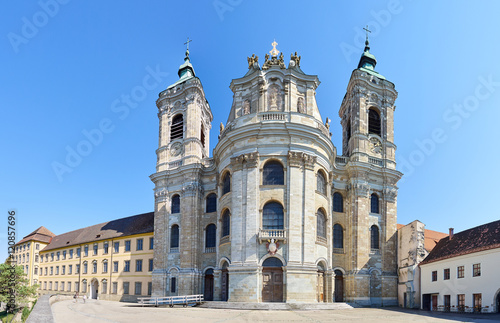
<point>185,121</point>
<point>367,114</point>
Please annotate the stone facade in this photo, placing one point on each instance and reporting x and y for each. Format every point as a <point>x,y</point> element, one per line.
<point>275,241</point>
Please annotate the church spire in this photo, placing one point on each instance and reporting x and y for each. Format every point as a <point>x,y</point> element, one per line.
<point>367,62</point>
<point>186,70</point>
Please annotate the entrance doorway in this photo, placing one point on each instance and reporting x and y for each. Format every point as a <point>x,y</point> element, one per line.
<point>498,302</point>
<point>272,280</point>
<point>225,282</point>
<point>426,302</point>
<point>434,303</point>
<point>320,284</point>
<point>94,286</point>
<point>339,286</point>
<point>209,285</point>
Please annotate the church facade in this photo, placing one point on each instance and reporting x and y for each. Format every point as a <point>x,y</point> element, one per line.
<point>277,214</point>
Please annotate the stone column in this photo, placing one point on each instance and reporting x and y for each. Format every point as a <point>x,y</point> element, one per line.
<point>162,210</point>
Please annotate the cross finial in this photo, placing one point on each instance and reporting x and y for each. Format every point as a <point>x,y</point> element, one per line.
<point>187,43</point>
<point>367,31</point>
<point>274,52</point>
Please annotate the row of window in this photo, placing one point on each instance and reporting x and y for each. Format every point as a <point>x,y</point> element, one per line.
<point>338,200</point>
<point>476,272</point>
<point>273,220</point>
<point>126,267</point>
<point>139,245</point>
<point>67,286</point>
<point>25,246</point>
<point>476,301</point>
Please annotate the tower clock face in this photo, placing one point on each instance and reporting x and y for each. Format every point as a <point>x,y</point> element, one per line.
<point>176,149</point>
<point>375,145</point>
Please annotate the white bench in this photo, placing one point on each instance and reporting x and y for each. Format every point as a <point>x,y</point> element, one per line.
<point>172,300</point>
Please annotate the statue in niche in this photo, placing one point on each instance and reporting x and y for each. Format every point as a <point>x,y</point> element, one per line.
<point>274,100</point>
<point>246,107</point>
<point>301,108</point>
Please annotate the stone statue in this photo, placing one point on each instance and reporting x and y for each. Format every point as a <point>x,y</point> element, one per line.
<point>300,105</point>
<point>295,58</point>
<point>273,98</point>
<point>246,107</point>
<point>281,60</point>
<point>266,58</point>
<point>221,127</point>
<point>252,60</point>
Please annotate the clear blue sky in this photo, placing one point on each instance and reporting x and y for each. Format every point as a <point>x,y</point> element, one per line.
<point>70,68</point>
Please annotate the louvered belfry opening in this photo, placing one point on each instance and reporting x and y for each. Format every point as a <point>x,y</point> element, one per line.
<point>177,129</point>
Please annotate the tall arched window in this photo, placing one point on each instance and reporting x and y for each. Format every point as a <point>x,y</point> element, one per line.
<point>373,122</point>
<point>321,223</point>
<point>174,236</point>
<point>374,207</point>
<point>338,236</point>
<point>272,216</point>
<point>374,237</point>
<point>176,204</point>
<point>177,127</point>
<point>321,183</point>
<point>273,174</point>
<point>211,203</point>
<point>226,183</point>
<point>210,236</point>
<point>226,223</point>
<point>338,202</point>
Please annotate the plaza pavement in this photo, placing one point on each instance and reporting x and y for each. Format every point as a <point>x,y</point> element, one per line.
<point>107,311</point>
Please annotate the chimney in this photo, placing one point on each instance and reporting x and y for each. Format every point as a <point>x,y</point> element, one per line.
<point>451,233</point>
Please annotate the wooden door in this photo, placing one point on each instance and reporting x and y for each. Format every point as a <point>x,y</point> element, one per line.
<point>209,288</point>
<point>272,285</point>
<point>434,303</point>
<point>339,287</point>
<point>225,285</point>
<point>320,287</point>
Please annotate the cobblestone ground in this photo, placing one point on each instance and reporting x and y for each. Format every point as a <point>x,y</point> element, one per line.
<point>106,311</point>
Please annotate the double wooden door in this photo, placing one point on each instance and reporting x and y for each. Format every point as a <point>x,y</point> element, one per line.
<point>272,285</point>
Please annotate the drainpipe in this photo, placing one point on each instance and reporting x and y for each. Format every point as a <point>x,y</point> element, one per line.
<point>110,269</point>
<point>80,271</point>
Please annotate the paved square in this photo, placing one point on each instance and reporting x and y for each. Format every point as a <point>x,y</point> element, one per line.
<point>108,311</point>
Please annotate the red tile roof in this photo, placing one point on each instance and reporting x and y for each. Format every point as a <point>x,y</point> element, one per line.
<point>137,224</point>
<point>480,238</point>
<point>41,234</point>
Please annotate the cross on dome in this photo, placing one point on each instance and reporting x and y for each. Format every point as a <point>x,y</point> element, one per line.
<point>274,52</point>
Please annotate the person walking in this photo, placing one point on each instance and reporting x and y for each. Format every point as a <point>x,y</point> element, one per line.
<point>84,298</point>
<point>74,297</point>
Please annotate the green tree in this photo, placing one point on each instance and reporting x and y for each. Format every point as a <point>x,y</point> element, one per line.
<point>14,286</point>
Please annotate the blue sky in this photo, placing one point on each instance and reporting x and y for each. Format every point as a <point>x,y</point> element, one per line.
<point>70,67</point>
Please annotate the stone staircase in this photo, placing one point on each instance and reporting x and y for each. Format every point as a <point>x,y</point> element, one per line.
<point>276,306</point>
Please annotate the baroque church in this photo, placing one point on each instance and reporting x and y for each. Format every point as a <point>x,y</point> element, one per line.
<point>277,214</point>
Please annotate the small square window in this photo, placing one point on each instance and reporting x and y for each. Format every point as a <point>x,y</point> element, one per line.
<point>434,276</point>
<point>446,274</point>
<point>127,245</point>
<point>460,272</point>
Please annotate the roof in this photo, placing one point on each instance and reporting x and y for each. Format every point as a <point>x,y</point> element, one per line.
<point>41,234</point>
<point>137,224</point>
<point>480,238</point>
<point>431,237</point>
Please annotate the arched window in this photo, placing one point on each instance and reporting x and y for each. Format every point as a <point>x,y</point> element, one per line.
<point>338,202</point>
<point>174,236</point>
<point>226,223</point>
<point>321,183</point>
<point>177,128</point>
<point>338,236</point>
<point>373,122</point>
<point>210,236</point>
<point>272,216</point>
<point>211,203</point>
<point>272,173</point>
<point>321,223</point>
<point>374,237</point>
<point>374,208</point>
<point>173,284</point>
<point>226,183</point>
<point>176,204</point>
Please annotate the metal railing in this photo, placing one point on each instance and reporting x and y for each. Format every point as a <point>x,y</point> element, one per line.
<point>172,300</point>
